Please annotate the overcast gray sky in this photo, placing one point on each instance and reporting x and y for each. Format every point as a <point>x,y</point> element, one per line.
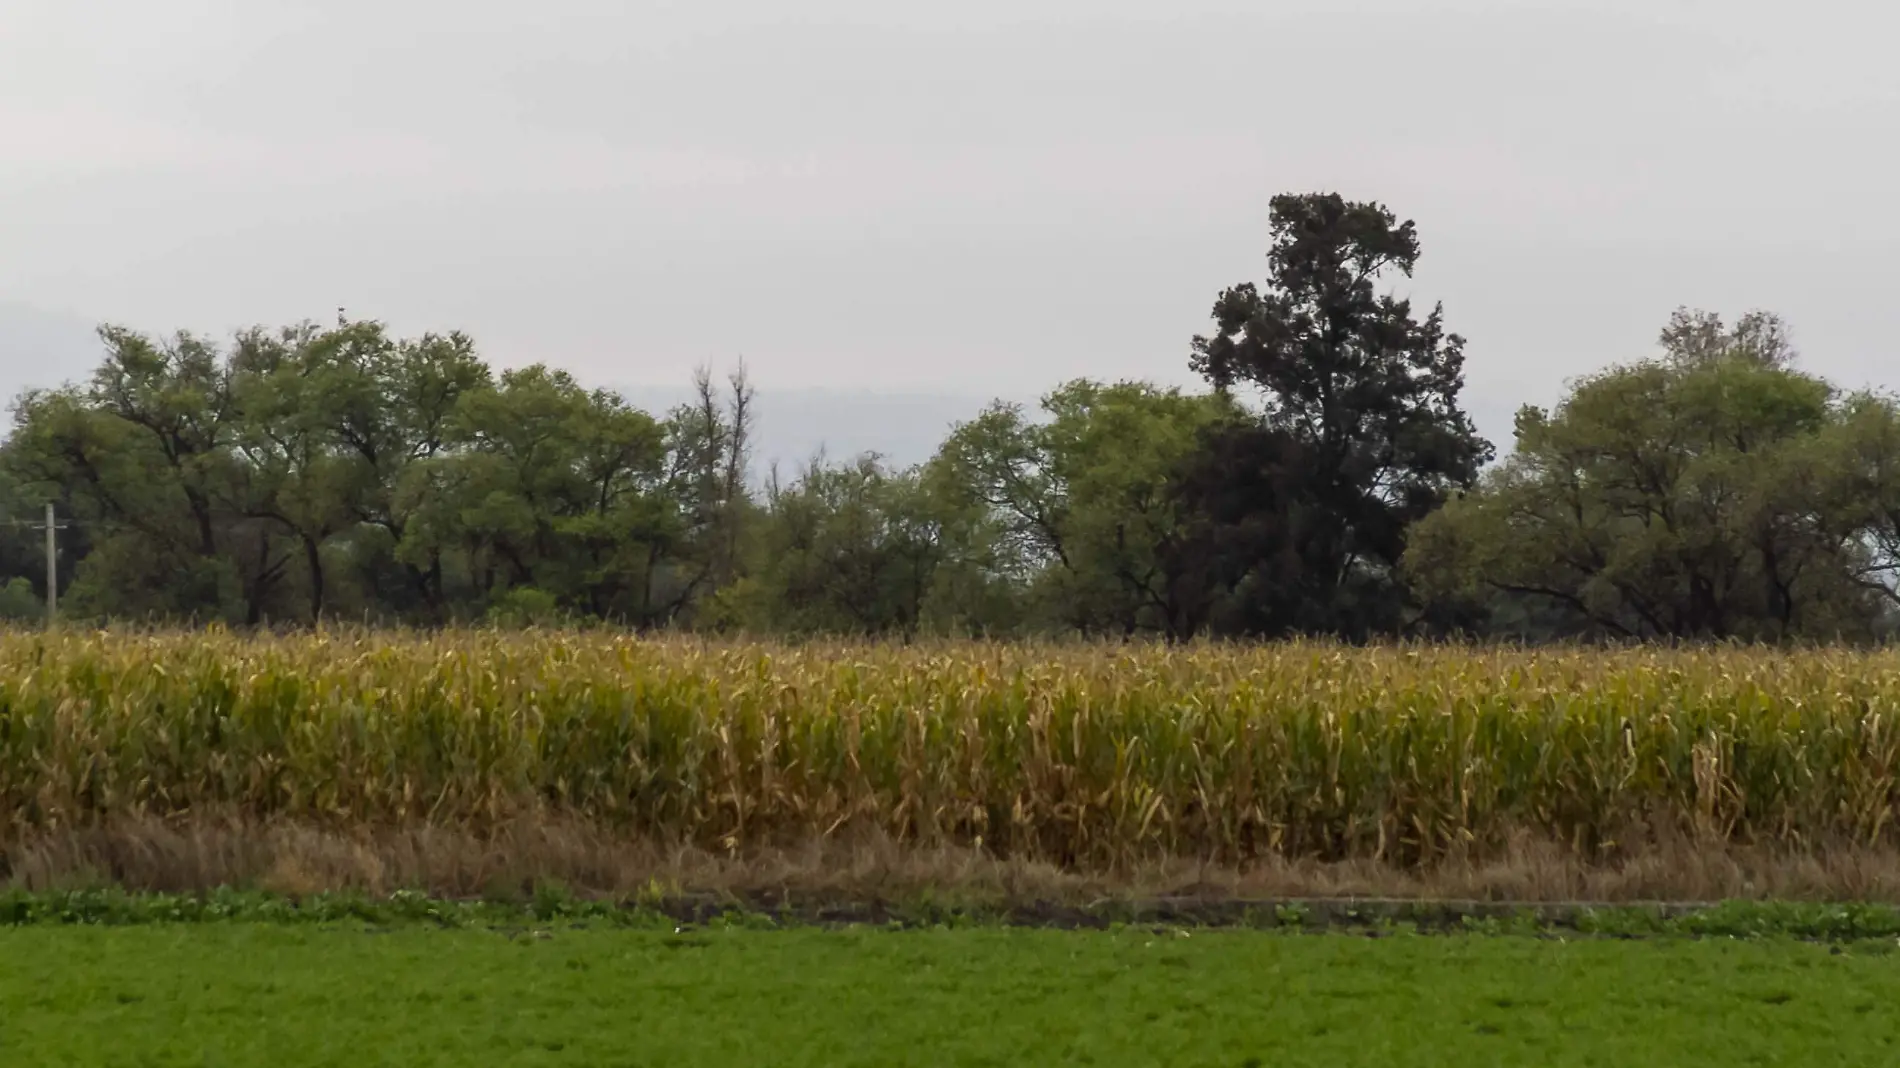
<point>980,197</point>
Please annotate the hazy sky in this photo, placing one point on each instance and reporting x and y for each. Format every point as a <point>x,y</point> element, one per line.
<point>985,196</point>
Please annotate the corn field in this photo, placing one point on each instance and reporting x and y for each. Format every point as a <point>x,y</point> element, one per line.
<point>1085,755</point>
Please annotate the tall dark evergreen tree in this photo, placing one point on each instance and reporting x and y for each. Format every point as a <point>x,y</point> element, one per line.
<point>1353,432</point>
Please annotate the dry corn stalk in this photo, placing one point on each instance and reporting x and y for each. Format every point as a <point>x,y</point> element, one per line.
<point>1082,754</point>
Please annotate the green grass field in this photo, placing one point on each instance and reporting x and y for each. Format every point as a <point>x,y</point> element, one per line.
<point>286,996</point>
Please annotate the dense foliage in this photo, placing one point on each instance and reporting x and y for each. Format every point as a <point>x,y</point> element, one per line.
<point>339,472</point>
<point>1712,492</point>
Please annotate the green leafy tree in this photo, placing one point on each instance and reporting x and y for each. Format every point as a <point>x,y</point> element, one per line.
<point>299,475</point>
<point>390,405</point>
<point>548,486</point>
<point>850,548</point>
<point>1079,508</point>
<point>1687,496</point>
<point>219,483</point>
<point>1848,476</point>
<point>141,457</point>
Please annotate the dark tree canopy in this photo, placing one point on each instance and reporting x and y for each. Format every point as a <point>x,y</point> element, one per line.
<point>1302,509</point>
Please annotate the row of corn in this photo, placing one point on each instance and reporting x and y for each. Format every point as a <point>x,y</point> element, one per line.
<point>1082,754</point>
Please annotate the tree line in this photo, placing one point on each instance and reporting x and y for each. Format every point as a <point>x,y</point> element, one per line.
<point>1325,482</point>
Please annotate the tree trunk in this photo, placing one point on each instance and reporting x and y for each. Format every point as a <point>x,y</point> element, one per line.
<point>313,555</point>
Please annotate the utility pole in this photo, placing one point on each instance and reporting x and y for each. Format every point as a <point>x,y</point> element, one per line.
<point>52,526</point>
<point>52,567</point>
